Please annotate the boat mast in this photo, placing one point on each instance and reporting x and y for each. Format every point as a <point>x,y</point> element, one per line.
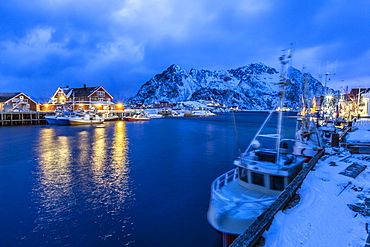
<point>284,59</point>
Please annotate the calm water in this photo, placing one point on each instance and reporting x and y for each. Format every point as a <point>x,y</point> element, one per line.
<point>116,184</point>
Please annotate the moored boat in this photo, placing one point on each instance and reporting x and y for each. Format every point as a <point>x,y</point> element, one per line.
<point>85,118</point>
<point>199,113</point>
<point>110,118</point>
<point>51,119</point>
<point>262,172</point>
<point>137,118</point>
<point>63,119</point>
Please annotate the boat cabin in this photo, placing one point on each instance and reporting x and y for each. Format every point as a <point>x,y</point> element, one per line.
<point>260,172</point>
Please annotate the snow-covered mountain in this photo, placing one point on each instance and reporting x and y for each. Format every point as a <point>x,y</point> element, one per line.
<point>249,87</point>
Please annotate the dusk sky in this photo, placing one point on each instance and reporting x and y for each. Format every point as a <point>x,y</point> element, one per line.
<point>121,44</point>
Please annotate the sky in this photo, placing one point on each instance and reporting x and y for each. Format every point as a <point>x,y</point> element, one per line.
<point>121,44</point>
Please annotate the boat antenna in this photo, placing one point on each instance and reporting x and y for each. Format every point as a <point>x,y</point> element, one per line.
<point>284,59</point>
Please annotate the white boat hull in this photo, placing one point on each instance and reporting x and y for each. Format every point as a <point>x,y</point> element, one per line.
<point>233,207</point>
<point>51,119</point>
<point>63,120</point>
<point>82,121</point>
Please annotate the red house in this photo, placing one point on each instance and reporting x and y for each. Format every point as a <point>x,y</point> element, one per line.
<point>17,102</point>
<point>86,98</point>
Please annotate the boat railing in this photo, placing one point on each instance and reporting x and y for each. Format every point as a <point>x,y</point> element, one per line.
<point>224,179</point>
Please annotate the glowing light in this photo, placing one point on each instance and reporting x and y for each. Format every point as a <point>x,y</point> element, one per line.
<point>329,97</point>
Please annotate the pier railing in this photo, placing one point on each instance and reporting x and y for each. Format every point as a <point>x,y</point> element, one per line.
<point>250,237</point>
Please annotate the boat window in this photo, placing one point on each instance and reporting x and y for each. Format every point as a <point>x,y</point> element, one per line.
<point>243,174</point>
<point>277,183</point>
<point>258,179</point>
<point>266,156</point>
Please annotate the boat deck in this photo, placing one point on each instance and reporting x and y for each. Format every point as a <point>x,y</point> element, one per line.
<point>233,207</point>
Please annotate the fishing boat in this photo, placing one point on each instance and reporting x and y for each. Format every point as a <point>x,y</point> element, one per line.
<point>63,119</point>
<point>51,119</point>
<point>308,141</point>
<point>307,135</point>
<point>199,113</point>
<point>110,118</point>
<point>85,118</point>
<point>137,118</point>
<point>262,172</point>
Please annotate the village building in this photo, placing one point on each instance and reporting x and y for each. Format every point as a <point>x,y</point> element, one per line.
<point>354,104</point>
<point>85,98</point>
<point>361,96</point>
<point>17,102</point>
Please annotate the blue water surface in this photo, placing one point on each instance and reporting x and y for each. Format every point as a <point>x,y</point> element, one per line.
<point>118,183</point>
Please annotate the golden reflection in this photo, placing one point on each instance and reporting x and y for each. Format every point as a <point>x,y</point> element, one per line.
<point>109,161</point>
<point>99,154</point>
<point>54,159</point>
<point>120,145</point>
<point>91,163</point>
<point>83,147</point>
<point>119,162</point>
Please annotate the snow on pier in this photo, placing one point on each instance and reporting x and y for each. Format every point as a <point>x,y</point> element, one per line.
<point>332,205</point>
<point>333,208</point>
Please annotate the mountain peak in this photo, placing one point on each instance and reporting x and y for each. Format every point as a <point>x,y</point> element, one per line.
<point>249,87</point>
<point>174,69</point>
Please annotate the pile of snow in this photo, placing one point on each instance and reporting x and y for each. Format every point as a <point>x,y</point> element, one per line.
<point>191,105</point>
<point>361,133</point>
<point>333,208</point>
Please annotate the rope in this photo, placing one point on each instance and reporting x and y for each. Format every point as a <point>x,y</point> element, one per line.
<point>227,79</point>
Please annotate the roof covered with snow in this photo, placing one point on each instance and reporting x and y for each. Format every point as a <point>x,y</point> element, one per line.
<point>80,92</point>
<point>7,96</point>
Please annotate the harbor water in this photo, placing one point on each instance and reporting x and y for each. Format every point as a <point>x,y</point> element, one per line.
<point>118,183</point>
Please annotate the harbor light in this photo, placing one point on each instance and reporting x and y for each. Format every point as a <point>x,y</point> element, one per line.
<point>329,97</point>
<point>46,105</point>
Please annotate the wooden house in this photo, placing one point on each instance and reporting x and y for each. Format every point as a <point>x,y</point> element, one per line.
<point>362,97</point>
<point>85,98</point>
<point>17,102</point>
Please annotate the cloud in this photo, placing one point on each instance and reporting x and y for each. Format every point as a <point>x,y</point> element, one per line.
<point>156,20</point>
<point>124,49</point>
<point>129,41</point>
<point>35,47</point>
<point>254,7</point>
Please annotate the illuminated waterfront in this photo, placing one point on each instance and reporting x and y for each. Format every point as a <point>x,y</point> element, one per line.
<point>115,184</point>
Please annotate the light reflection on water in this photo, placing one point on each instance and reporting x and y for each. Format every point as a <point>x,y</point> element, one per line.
<point>83,179</point>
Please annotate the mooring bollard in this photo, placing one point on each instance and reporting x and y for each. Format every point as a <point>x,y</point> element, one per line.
<point>335,140</point>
